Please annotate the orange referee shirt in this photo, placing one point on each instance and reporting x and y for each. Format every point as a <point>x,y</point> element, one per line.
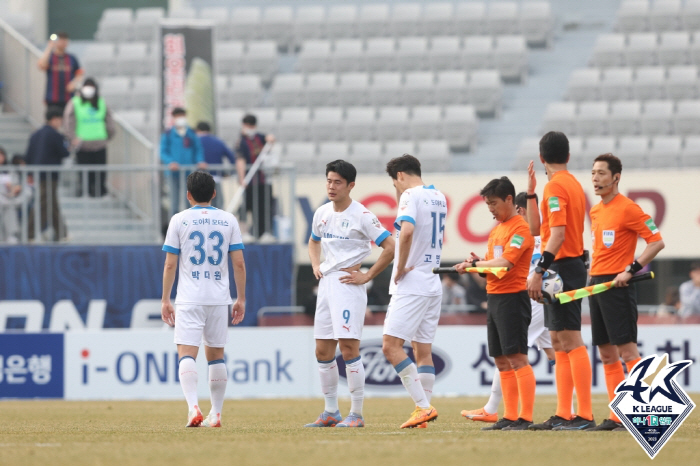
<point>563,204</point>
<point>615,227</point>
<point>511,240</point>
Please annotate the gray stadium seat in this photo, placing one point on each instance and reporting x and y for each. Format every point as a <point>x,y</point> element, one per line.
<point>486,92</point>
<point>641,49</point>
<point>633,16</point>
<point>115,25</point>
<point>584,84</point>
<point>293,124</point>
<point>690,16</point>
<point>353,89</point>
<point>657,117</point>
<point>560,116</point>
<point>288,90</point>
<point>616,84</point>
<point>277,24</point>
<point>397,149</point>
<point>315,56</point>
<point>502,17</point>
<point>309,23</point>
<point>219,15</point>
<point>577,161</point>
<point>649,83</point>
<point>303,156</point>
<point>229,124</point>
<point>261,58</point>
<point>135,59</point>
<point>665,15</point>
<point>99,59</point>
<point>510,57</point>
<point>405,19</point>
<point>223,84</point>
<point>146,23</point>
<point>451,88</point>
<point>136,119</point>
<point>182,12</point>
<point>426,122</point>
<point>687,117</point>
<point>360,123</point>
<point>690,155</point>
<point>596,146</point>
<point>244,23</point>
<point>267,119</point>
<point>229,56</point>
<point>682,82</point>
<point>665,152</point>
<point>634,151</point>
<point>245,91</point>
<point>341,21</point>
<point>144,92</point>
<point>329,151</point>
<point>460,126</point>
<point>348,55</point>
<point>434,155</point>
<point>477,52</point>
<point>321,89</point>
<point>392,123</point>
<point>608,50</point>
<point>380,54</point>
<point>445,53</point>
<point>624,117</point>
<point>366,156</point>
<point>537,23</point>
<point>674,49</point>
<point>418,88</point>
<point>470,18</point>
<point>437,19</point>
<point>327,124</point>
<point>592,119</point>
<point>373,20</point>
<point>115,90</point>
<point>528,149</point>
<point>385,89</point>
<point>412,53</point>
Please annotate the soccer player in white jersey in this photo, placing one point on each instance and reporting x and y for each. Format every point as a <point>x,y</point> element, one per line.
<point>537,333</point>
<point>343,230</point>
<point>202,239</point>
<point>416,293</point>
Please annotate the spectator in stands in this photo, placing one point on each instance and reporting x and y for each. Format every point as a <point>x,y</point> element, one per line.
<point>9,193</point>
<point>671,304</point>
<point>48,147</point>
<point>214,152</point>
<point>453,294</point>
<point>258,194</point>
<point>180,145</point>
<point>690,292</point>
<point>89,125</point>
<point>476,292</point>
<point>63,72</point>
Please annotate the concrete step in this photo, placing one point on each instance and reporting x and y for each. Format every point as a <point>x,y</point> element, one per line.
<point>78,237</point>
<point>107,224</point>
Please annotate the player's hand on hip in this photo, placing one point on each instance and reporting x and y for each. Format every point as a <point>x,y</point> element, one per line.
<point>238,312</point>
<point>167,313</point>
<point>402,273</point>
<point>621,280</point>
<point>531,179</point>
<point>534,287</point>
<point>354,277</point>
<point>317,273</point>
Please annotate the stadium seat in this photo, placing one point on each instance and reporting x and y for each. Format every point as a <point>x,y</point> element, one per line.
<point>353,89</point>
<point>502,18</point>
<point>649,83</point>
<point>397,149</point>
<point>690,16</point>
<point>537,23</point>
<point>577,161</point>
<point>115,90</point>
<point>135,59</point>
<point>223,84</point>
<point>445,53</point>
<point>616,84</point>
<point>634,151</point>
<point>528,149</point>
<point>690,155</point>
<point>418,88</point>
<point>608,50</point>
<point>366,156</point>
<point>665,15</point>
<point>373,20</point>
<point>674,49</point>
<point>633,16</point>
<point>261,58</point>
<point>412,53</point>
<point>228,122</point>
<point>309,23</point>
<point>303,156</point>
<point>687,117</point>
<point>385,89</point>
<point>288,90</point>
<point>437,19</point>
<point>341,21</point>
<point>510,57</point>
<point>624,117</point>
<point>182,12</point>
<point>392,123</point>
<point>229,55</point>
<point>478,52</point>
<point>348,55</point>
<point>460,126</point>
<point>315,56</point>
<point>434,155</point>
<point>99,59</point>
<point>277,24</point>
<point>245,91</point>
<point>146,23</point>
<point>244,24</point>
<point>115,25</point>
<point>426,122</point>
<point>486,92</point>
<point>380,54</point>
<point>560,116</point>
<point>405,19</point>
<point>144,92</point>
<point>594,147</point>
<point>327,124</point>
<point>641,49</point>
<point>657,117</point>
<point>360,123</point>
<point>267,119</point>
<point>584,84</point>
<point>328,151</point>
<point>321,89</point>
<point>293,124</point>
<point>219,15</point>
<point>592,119</point>
<point>682,82</point>
<point>451,88</point>
<point>665,152</point>
<point>137,119</point>
<point>470,18</point>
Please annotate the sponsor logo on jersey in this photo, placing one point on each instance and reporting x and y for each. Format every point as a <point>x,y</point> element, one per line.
<point>652,226</point>
<point>608,237</point>
<point>517,241</point>
<point>650,404</point>
<point>380,373</point>
<point>554,204</point>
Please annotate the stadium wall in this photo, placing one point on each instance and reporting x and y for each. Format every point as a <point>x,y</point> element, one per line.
<point>272,362</point>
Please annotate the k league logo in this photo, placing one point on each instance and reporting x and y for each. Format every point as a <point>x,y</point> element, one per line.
<point>650,403</point>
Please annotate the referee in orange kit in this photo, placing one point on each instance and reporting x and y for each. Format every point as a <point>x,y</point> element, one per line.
<point>616,223</point>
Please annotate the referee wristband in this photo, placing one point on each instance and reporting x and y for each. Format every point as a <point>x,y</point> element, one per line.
<point>635,267</point>
<point>546,260</point>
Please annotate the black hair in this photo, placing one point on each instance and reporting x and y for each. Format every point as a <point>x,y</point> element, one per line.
<point>521,200</point>
<point>554,147</point>
<point>614,163</point>
<point>695,266</point>
<point>407,164</point>
<point>499,187</point>
<point>95,98</point>
<point>62,35</point>
<point>201,186</point>
<point>345,169</point>
<point>250,120</point>
<point>203,126</point>
<point>178,111</point>
<point>18,159</point>
<point>53,112</point>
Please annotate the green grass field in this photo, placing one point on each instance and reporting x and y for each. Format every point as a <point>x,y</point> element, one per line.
<point>56,433</point>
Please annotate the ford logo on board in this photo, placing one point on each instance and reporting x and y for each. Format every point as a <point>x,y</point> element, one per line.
<point>380,373</point>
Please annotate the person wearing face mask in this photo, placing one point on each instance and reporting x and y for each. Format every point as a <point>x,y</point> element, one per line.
<point>258,194</point>
<point>180,145</point>
<point>63,72</point>
<point>88,125</point>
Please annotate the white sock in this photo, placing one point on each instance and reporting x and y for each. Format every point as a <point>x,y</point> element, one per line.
<point>188,380</point>
<point>409,377</point>
<point>426,374</point>
<point>329,383</point>
<point>355,372</point>
<point>217,385</point>
<point>496,394</point>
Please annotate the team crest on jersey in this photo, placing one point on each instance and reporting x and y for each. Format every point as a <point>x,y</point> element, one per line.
<point>652,226</point>
<point>650,403</point>
<point>376,223</point>
<point>345,224</point>
<point>608,237</point>
<point>497,251</point>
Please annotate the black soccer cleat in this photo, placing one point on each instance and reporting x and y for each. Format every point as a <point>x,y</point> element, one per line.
<point>607,424</point>
<point>577,423</point>
<point>520,424</point>
<point>549,424</point>
<point>500,424</point>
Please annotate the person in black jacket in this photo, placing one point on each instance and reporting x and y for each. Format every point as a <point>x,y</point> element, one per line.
<point>48,147</point>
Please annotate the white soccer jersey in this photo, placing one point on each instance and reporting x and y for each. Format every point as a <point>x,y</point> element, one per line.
<point>203,237</point>
<point>426,208</point>
<point>346,236</point>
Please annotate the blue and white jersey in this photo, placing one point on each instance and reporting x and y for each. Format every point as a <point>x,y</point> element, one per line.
<point>203,237</point>
<point>426,208</point>
<point>536,254</point>
<point>346,237</point>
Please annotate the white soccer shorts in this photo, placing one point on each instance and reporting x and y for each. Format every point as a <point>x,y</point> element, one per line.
<point>537,333</point>
<point>413,318</point>
<point>195,323</point>
<point>340,309</point>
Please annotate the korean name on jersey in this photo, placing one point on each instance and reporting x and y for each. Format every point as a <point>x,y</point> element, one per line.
<point>203,237</point>
<point>426,208</point>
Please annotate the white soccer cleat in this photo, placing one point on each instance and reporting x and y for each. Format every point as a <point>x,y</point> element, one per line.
<point>194,419</point>
<point>212,420</point>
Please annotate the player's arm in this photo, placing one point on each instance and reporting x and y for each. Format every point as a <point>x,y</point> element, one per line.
<point>355,277</point>
<point>647,256</point>
<point>533,212</point>
<point>405,242</point>
<point>315,256</point>
<point>43,62</point>
<point>167,312</point>
<point>239,276</point>
<point>641,223</point>
<point>556,240</point>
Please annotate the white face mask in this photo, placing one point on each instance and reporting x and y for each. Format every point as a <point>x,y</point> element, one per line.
<point>180,122</point>
<point>88,91</point>
<point>249,132</point>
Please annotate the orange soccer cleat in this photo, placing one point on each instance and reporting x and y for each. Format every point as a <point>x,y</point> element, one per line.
<point>480,415</point>
<point>419,416</point>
